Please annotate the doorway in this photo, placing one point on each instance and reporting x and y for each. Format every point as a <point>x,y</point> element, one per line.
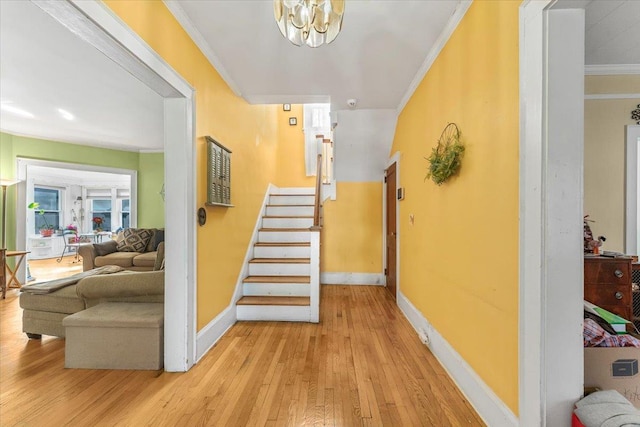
<point>96,24</point>
<point>72,194</point>
<point>551,207</point>
<point>632,185</point>
<point>391,227</point>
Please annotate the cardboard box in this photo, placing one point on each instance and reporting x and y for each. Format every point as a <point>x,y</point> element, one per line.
<point>614,369</point>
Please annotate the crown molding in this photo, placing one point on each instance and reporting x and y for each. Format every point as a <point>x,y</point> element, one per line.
<point>611,69</point>
<point>178,12</point>
<point>440,43</point>
<point>612,96</point>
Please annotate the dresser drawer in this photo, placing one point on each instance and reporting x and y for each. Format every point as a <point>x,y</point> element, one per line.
<point>608,295</point>
<point>612,272</point>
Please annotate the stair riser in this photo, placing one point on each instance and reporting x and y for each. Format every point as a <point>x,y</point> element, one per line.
<point>280,199</point>
<point>287,222</point>
<point>256,269</point>
<point>294,190</point>
<point>281,252</point>
<point>276,289</point>
<point>283,236</point>
<point>289,210</point>
<point>277,313</point>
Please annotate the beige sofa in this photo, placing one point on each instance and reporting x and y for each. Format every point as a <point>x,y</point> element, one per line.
<point>43,314</point>
<point>148,255</point>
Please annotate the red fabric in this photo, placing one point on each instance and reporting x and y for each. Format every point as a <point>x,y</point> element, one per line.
<point>595,336</point>
<point>575,421</point>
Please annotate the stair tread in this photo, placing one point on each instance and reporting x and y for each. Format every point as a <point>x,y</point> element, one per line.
<point>285,229</point>
<point>277,279</point>
<point>287,195</point>
<point>283,244</point>
<point>273,300</point>
<point>287,216</point>
<point>281,260</point>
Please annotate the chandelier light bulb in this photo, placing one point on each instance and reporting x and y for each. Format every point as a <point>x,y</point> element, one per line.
<point>309,22</point>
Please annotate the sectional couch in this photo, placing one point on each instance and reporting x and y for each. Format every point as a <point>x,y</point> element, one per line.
<point>135,249</point>
<point>43,313</point>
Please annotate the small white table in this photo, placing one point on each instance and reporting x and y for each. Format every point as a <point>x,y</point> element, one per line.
<point>74,241</point>
<point>97,237</point>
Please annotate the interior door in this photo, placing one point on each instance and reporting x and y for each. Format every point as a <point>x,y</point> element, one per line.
<point>390,269</point>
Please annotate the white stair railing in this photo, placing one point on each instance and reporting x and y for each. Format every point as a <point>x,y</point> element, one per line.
<point>314,300</point>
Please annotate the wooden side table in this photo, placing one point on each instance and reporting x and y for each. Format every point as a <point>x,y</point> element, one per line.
<point>11,281</point>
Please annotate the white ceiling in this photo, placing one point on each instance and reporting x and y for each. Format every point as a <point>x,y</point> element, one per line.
<point>380,51</point>
<point>44,67</point>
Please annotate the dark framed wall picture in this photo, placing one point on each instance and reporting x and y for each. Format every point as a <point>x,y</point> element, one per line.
<point>293,121</point>
<point>286,107</point>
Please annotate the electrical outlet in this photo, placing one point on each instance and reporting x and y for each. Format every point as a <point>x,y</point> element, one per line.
<point>424,337</point>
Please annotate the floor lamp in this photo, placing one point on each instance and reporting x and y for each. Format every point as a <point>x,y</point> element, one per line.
<point>4,183</point>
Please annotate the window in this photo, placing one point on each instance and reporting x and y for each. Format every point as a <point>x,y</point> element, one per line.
<point>124,214</point>
<point>101,208</point>
<point>49,201</point>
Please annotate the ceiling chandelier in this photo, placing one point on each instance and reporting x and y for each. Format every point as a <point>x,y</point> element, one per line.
<point>310,22</point>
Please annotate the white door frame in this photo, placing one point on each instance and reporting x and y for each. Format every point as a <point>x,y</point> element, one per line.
<point>551,193</point>
<point>95,23</point>
<point>632,133</point>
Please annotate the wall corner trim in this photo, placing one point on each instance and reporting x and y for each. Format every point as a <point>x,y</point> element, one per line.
<point>488,405</point>
<point>439,44</point>
<point>373,279</point>
<point>210,334</point>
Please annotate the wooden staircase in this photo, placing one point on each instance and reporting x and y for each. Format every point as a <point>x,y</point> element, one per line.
<point>283,275</point>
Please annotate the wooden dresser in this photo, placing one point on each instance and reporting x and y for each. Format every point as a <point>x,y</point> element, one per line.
<point>607,283</point>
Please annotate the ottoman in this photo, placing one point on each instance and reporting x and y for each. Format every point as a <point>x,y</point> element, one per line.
<point>116,335</point>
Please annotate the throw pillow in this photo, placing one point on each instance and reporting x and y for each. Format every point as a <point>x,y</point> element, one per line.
<point>134,240</point>
<point>159,238</point>
<point>106,248</point>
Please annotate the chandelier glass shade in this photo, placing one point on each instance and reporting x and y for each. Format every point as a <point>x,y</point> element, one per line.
<point>310,22</point>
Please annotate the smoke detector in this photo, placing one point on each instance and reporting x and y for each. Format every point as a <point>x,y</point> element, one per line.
<point>352,103</point>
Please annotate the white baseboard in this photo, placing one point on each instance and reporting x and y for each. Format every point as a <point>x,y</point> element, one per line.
<point>375,279</point>
<point>488,405</point>
<point>210,334</point>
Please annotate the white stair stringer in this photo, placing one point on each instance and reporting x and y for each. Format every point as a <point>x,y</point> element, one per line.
<point>282,278</point>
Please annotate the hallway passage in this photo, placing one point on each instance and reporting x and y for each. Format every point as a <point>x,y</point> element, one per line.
<point>361,365</point>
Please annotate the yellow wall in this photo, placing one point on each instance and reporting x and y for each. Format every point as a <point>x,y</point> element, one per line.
<point>459,261</point>
<point>250,131</point>
<point>291,160</point>
<point>352,230</point>
<point>604,155</point>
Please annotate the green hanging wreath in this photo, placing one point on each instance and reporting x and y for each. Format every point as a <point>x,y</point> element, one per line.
<point>446,157</point>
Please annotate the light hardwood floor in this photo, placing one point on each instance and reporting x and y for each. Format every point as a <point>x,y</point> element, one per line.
<point>363,365</point>
<point>43,270</point>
